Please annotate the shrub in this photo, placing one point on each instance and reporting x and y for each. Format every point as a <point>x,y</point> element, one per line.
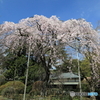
<point>17,86</point>
<point>7,92</point>
<point>2,79</point>
<point>85,86</point>
<point>29,88</point>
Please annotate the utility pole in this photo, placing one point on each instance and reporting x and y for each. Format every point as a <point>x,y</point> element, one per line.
<point>79,74</point>
<point>24,96</point>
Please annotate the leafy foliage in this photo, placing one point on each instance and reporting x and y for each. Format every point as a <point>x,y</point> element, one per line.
<point>17,85</point>
<point>8,91</point>
<point>15,67</point>
<point>2,79</point>
<point>85,67</point>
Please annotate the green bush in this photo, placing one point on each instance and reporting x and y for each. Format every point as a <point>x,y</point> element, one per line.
<point>8,92</point>
<point>2,79</point>
<point>85,87</point>
<point>17,86</point>
<point>29,88</point>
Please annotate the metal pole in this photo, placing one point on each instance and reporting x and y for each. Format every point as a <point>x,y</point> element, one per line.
<point>26,75</point>
<point>80,87</point>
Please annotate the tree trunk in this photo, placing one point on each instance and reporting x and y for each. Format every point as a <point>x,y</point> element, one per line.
<point>45,82</point>
<point>47,71</point>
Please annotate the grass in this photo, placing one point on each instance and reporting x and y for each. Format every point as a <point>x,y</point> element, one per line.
<point>3,98</point>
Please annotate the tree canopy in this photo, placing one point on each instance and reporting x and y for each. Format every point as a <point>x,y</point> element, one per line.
<point>47,36</point>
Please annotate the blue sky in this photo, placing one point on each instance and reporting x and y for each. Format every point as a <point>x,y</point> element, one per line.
<point>14,10</point>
